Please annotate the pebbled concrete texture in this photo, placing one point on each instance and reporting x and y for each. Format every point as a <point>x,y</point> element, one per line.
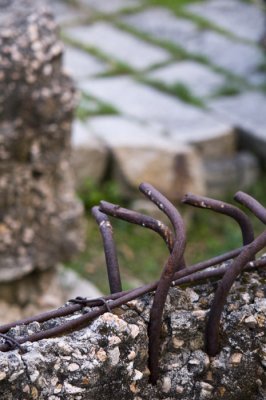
<point>108,357</point>
<point>194,77</point>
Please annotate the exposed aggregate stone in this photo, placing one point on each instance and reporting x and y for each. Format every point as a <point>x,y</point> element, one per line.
<point>40,217</point>
<point>108,358</point>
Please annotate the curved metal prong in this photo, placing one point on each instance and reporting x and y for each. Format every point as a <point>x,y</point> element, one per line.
<point>252,204</point>
<point>167,275</point>
<point>246,255</point>
<point>109,250</point>
<point>137,218</point>
<point>223,208</point>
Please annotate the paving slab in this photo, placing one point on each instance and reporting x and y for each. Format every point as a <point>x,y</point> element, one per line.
<point>64,13</point>
<point>257,79</point>
<point>139,100</point>
<point>118,44</point>
<point>162,24</point>
<point>148,104</point>
<point>230,174</point>
<point>239,58</point>
<point>116,130</point>
<point>198,78</point>
<point>81,64</point>
<point>243,19</point>
<point>211,139</point>
<point>246,111</point>
<point>141,153</point>
<point>110,6</point>
<point>89,156</point>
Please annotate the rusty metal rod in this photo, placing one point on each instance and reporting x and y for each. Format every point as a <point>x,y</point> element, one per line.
<point>223,208</point>
<point>69,309</point>
<point>11,342</point>
<point>166,277</point>
<point>160,201</point>
<point>137,218</point>
<point>46,316</point>
<point>109,250</point>
<point>83,320</point>
<point>252,204</point>
<point>212,329</point>
<point>211,273</point>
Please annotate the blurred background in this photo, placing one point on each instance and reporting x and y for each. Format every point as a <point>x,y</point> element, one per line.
<point>173,93</point>
<point>168,92</point>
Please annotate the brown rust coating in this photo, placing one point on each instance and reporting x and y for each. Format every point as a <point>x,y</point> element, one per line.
<point>137,218</point>
<point>246,255</point>
<point>223,208</point>
<point>69,309</point>
<point>172,265</point>
<point>109,250</point>
<point>113,301</point>
<point>252,204</point>
<point>173,274</point>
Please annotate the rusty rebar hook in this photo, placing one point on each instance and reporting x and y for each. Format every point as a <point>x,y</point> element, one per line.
<point>12,343</point>
<point>171,266</point>
<point>212,328</point>
<point>252,204</point>
<point>137,218</point>
<point>172,270</point>
<point>83,320</point>
<point>109,250</point>
<point>94,302</point>
<point>223,208</point>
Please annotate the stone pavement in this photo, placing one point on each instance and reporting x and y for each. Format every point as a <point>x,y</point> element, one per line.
<point>167,95</point>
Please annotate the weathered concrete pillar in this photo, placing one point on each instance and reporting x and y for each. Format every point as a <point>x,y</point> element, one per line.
<point>107,359</point>
<point>40,218</point>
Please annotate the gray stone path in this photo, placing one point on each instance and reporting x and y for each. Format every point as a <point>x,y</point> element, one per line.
<point>141,152</point>
<point>64,13</point>
<point>110,6</point>
<point>188,59</point>
<point>237,17</point>
<point>118,44</point>
<point>120,130</point>
<point>188,121</point>
<point>248,112</point>
<point>238,57</point>
<point>198,78</point>
<point>81,64</point>
<point>161,24</point>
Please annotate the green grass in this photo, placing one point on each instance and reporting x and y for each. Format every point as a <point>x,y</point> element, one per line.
<point>178,90</point>
<point>179,53</point>
<point>173,5</point>
<point>178,8</point>
<point>115,66</point>
<point>90,106</point>
<point>227,90</point>
<point>262,66</point>
<point>142,253</point>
